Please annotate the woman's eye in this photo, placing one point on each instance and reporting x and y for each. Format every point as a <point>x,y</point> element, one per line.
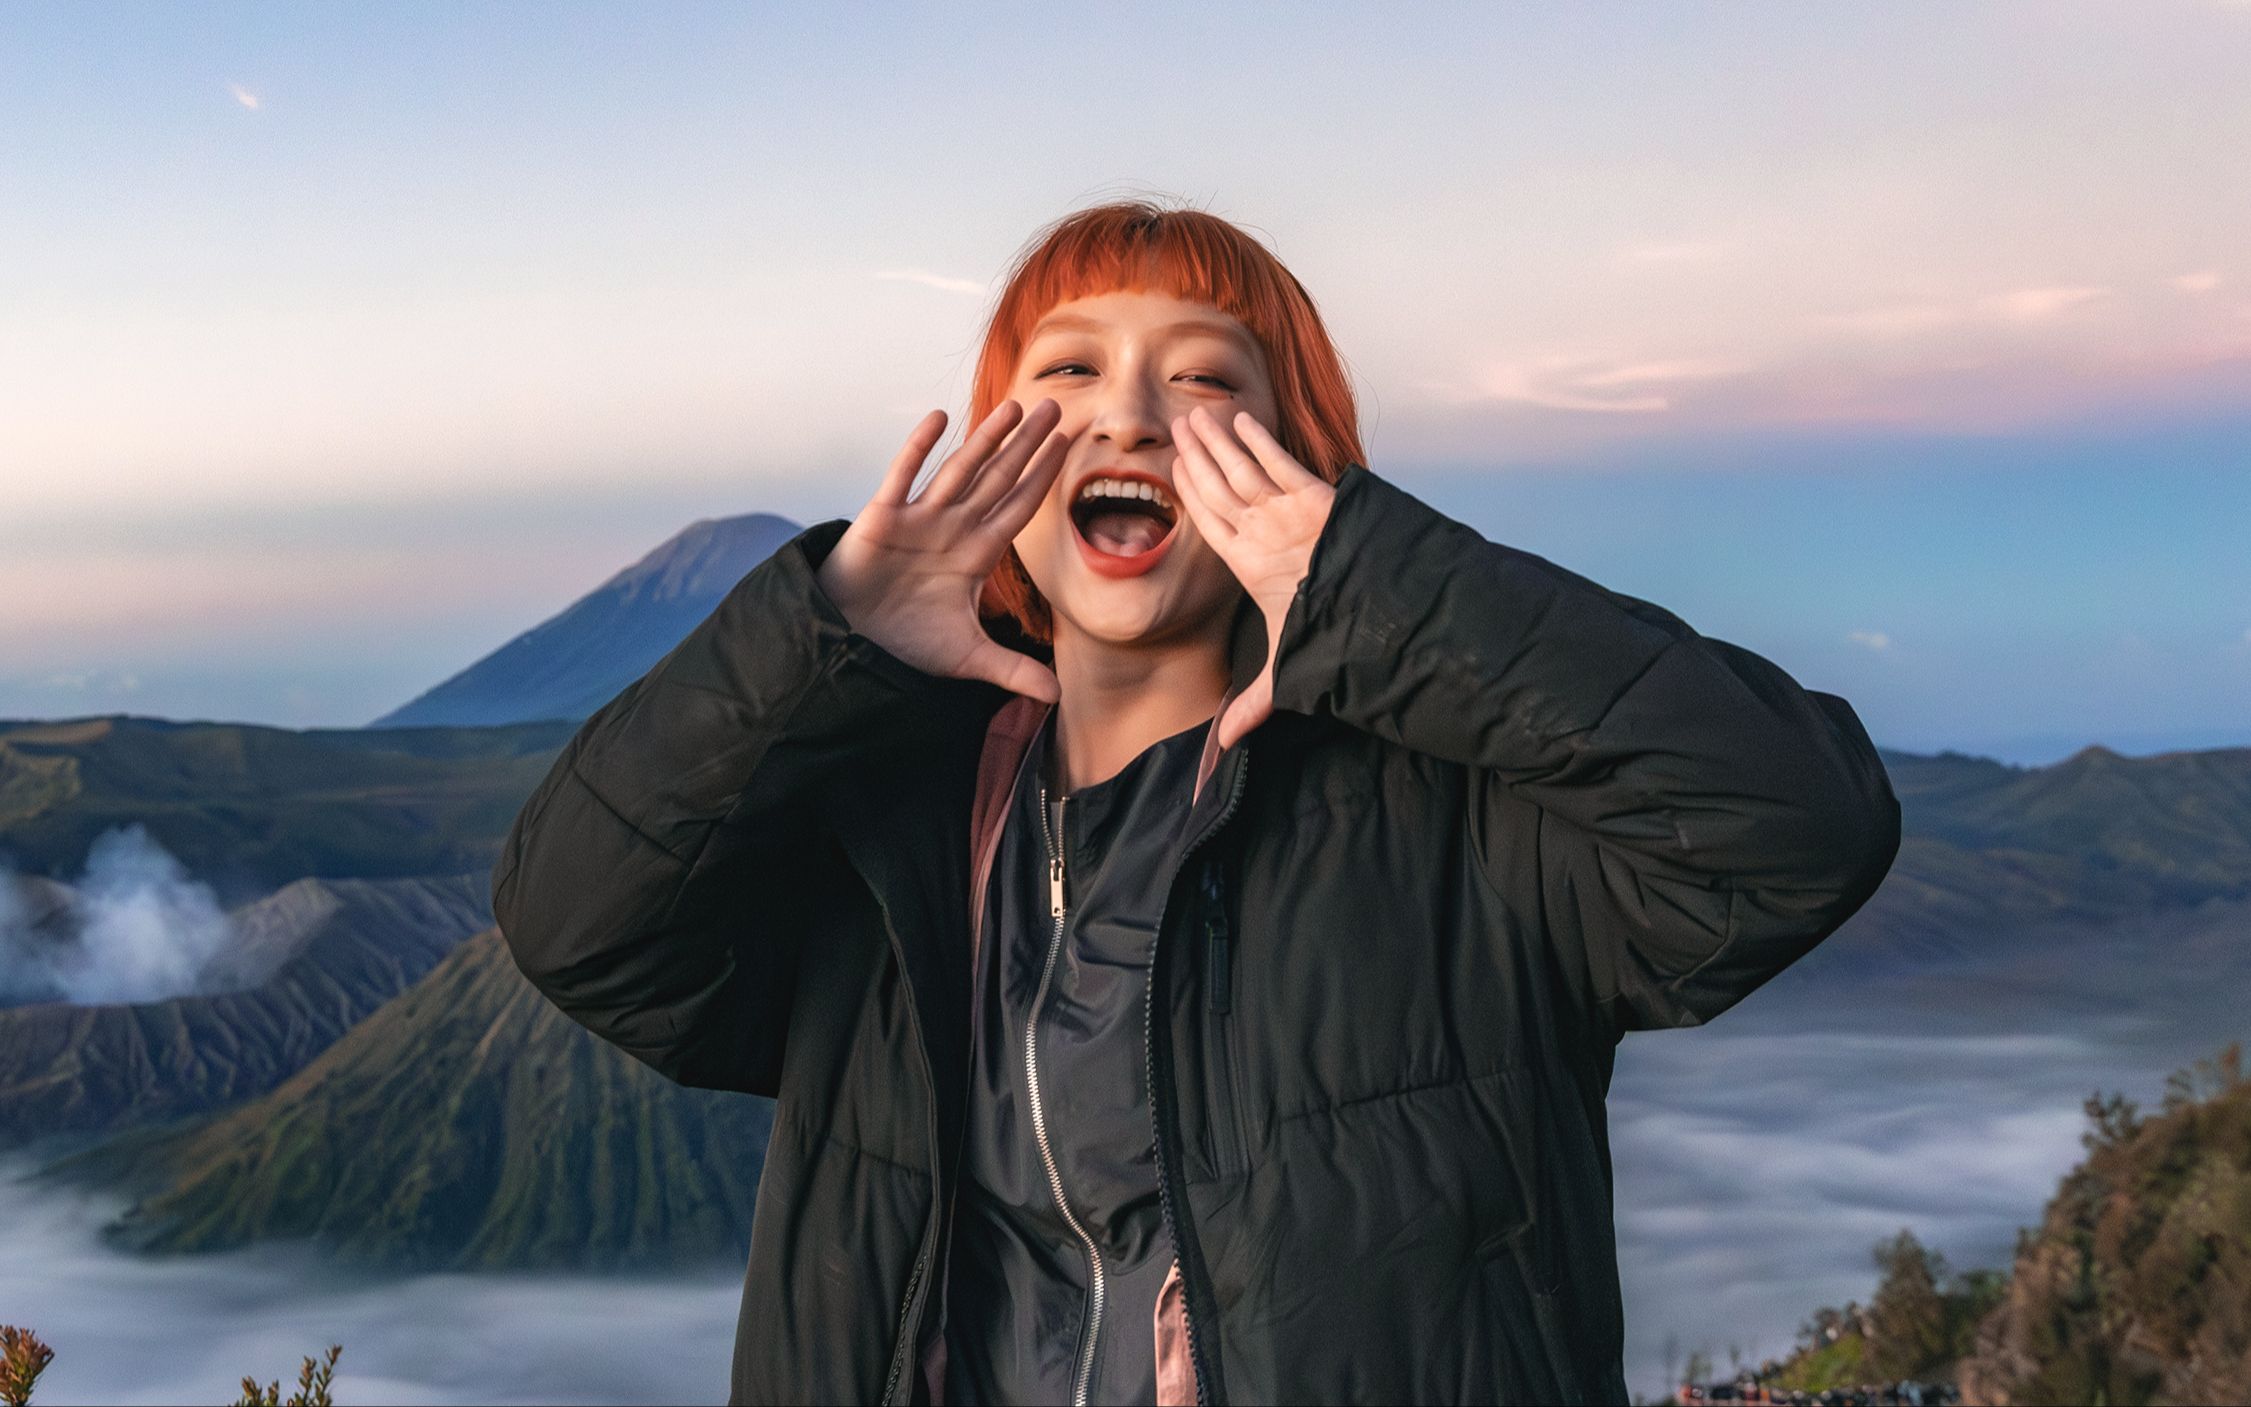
<point>1081,366</point>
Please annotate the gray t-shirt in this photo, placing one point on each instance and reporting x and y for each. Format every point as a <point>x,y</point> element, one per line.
<point>1019,1299</point>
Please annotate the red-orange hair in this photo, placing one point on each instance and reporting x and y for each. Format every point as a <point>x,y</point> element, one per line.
<point>1136,246</point>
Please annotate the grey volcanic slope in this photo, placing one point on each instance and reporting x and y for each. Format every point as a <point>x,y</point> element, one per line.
<point>575,662</point>
<point>466,1125</point>
<point>323,953</point>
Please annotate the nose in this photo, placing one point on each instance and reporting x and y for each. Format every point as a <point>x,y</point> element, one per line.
<point>1129,414</point>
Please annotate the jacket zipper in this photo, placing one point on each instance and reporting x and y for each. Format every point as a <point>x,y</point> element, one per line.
<point>1229,1138</point>
<point>1215,935</point>
<point>1149,1054</point>
<point>899,1351</point>
<point>1083,1374</point>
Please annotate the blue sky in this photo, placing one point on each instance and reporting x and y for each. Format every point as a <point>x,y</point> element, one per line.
<point>1909,345</point>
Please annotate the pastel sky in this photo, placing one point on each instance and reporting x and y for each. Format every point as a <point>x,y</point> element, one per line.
<point>1909,344</point>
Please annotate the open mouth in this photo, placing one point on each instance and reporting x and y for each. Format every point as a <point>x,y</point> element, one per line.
<point>1124,518</point>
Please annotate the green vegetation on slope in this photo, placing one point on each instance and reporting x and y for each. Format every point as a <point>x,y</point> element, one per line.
<point>2136,1287</point>
<point>1923,1319</point>
<point>467,1124</point>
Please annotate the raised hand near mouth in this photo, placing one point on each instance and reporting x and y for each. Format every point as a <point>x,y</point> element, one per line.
<point>1262,512</point>
<point>906,574</point>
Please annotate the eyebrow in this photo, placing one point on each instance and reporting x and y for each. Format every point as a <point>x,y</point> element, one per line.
<point>1073,322</point>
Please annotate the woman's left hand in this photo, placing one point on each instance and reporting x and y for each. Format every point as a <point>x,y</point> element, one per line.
<point>1262,512</point>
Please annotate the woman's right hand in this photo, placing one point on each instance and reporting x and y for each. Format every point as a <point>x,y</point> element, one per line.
<point>906,575</point>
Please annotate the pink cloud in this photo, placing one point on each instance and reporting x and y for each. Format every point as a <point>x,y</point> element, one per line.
<point>1596,384</point>
<point>2037,304</point>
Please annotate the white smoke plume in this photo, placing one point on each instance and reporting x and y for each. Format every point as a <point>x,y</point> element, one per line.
<point>135,928</point>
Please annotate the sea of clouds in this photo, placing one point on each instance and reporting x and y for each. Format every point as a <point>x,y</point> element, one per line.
<point>1758,1161</point>
<point>1755,1168</point>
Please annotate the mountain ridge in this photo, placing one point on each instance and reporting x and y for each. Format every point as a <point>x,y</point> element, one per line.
<point>488,1131</point>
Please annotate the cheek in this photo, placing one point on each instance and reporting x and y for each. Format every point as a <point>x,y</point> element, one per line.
<point>1049,521</point>
<point>1044,535</point>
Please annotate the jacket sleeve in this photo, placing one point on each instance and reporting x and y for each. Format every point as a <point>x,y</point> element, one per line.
<point>654,886</point>
<point>1701,820</point>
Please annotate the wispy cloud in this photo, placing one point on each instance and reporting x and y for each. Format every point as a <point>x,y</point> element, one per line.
<point>1596,384</point>
<point>1650,373</point>
<point>243,96</point>
<point>123,682</point>
<point>943,282</point>
<point>1873,639</point>
<point>2017,305</point>
<point>2202,281</point>
<point>2038,304</point>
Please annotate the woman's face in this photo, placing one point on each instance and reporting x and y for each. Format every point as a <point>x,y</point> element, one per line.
<point>1130,570</point>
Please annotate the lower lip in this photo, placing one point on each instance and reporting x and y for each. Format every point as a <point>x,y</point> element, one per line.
<point>1104,564</point>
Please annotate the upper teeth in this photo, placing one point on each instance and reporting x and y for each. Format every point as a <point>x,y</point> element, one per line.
<point>1122,488</point>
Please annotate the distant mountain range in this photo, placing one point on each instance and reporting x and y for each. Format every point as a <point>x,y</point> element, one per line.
<point>247,808</point>
<point>573,663</point>
<point>467,1122</point>
<point>1994,854</point>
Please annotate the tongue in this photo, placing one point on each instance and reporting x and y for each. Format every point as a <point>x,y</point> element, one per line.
<point>1124,534</point>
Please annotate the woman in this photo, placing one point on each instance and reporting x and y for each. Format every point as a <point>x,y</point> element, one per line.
<point>1194,975</point>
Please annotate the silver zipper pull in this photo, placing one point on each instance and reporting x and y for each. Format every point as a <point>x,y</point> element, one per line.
<point>1055,865</point>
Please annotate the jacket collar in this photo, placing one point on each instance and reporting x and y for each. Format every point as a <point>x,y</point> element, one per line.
<point>1009,734</point>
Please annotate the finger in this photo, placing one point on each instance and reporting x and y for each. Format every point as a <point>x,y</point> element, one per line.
<point>1250,481</point>
<point>1017,673</point>
<point>1215,529</point>
<point>1252,707</point>
<point>1022,499</point>
<point>1280,463</point>
<point>1000,472</point>
<point>1023,440</point>
<point>944,484</point>
<point>1210,480</point>
<point>900,476</point>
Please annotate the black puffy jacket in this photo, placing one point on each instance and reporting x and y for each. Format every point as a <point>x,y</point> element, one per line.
<point>1500,817</point>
